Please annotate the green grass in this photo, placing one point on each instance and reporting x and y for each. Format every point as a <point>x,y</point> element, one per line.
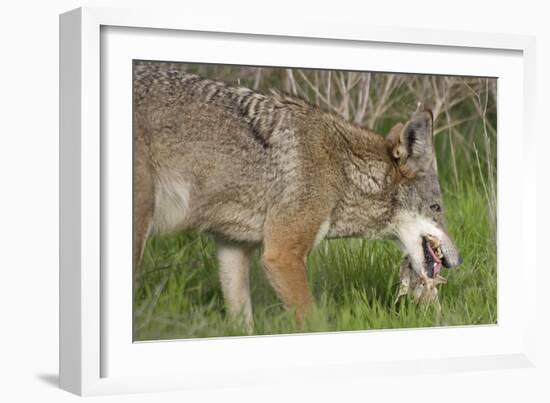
<point>354,282</point>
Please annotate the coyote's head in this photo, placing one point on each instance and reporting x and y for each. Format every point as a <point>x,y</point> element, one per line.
<point>419,223</point>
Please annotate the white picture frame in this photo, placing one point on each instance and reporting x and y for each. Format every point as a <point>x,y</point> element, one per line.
<point>96,357</point>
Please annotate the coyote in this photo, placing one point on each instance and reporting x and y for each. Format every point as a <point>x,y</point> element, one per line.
<point>274,171</point>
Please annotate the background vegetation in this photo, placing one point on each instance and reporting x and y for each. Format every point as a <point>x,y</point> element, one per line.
<point>355,282</point>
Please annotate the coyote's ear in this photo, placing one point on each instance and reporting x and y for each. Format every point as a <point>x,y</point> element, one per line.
<point>392,140</point>
<point>411,145</point>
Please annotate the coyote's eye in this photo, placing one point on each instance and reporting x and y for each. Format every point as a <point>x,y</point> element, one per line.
<point>435,207</point>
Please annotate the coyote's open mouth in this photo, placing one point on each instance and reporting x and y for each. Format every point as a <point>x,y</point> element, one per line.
<point>433,256</point>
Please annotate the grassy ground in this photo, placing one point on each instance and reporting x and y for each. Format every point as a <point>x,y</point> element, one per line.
<point>355,283</point>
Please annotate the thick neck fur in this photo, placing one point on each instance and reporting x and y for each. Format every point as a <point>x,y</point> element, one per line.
<point>369,187</point>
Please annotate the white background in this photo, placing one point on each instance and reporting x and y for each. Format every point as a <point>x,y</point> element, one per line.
<point>29,213</point>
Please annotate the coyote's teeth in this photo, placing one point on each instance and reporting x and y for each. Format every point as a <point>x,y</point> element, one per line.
<point>435,244</point>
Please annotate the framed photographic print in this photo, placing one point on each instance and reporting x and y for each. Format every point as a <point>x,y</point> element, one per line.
<point>236,198</point>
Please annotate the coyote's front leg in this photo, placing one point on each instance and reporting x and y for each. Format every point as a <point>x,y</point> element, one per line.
<point>234,263</point>
<point>287,243</point>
